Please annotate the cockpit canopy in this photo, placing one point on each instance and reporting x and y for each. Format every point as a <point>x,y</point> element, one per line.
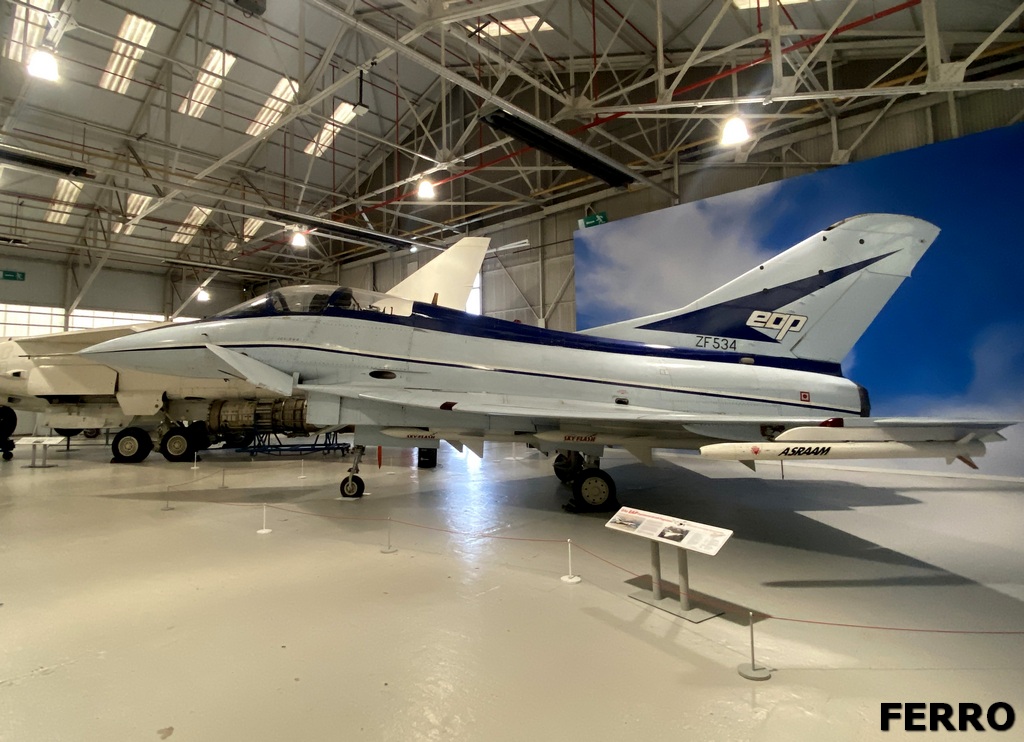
<point>317,299</point>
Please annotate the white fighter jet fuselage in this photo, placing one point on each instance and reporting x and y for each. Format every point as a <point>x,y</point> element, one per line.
<point>750,371</point>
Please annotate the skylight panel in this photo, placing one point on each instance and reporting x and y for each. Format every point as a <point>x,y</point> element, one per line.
<point>211,77</point>
<point>343,114</point>
<point>274,106</point>
<point>250,227</point>
<point>748,4</point>
<point>28,28</point>
<point>64,198</point>
<point>137,203</point>
<point>191,225</point>
<point>518,26</point>
<point>132,40</point>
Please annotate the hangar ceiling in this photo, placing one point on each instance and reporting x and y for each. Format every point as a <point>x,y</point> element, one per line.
<point>201,132</point>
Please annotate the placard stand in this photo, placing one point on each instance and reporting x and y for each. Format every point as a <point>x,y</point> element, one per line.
<point>685,606</point>
<point>43,442</point>
<point>685,536</point>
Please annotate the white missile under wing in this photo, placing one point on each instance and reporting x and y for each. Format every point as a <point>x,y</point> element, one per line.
<point>751,371</point>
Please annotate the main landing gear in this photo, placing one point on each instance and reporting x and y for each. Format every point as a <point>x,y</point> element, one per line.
<point>352,485</point>
<point>592,489</point>
<point>131,446</point>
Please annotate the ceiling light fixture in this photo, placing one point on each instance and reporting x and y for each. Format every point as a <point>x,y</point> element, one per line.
<point>203,295</point>
<point>43,64</point>
<point>425,189</point>
<point>735,132</point>
<point>299,239</point>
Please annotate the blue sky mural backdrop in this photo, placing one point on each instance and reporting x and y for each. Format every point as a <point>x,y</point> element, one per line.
<point>950,342</point>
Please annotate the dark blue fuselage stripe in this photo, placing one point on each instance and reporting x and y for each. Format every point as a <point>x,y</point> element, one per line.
<point>454,322</point>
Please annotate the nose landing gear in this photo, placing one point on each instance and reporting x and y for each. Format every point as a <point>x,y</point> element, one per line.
<point>352,485</point>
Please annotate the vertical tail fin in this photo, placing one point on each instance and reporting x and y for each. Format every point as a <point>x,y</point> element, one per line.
<point>812,301</point>
<point>448,278</point>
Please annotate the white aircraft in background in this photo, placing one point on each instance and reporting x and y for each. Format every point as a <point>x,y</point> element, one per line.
<point>178,414</point>
<point>749,372</point>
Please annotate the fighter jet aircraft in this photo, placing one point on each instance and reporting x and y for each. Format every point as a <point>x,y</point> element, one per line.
<point>749,372</point>
<point>177,414</point>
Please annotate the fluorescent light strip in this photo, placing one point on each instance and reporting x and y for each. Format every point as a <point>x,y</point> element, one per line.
<point>64,198</point>
<point>132,39</point>
<point>211,77</point>
<point>191,225</point>
<point>27,29</point>
<point>274,106</point>
<point>344,113</point>
<point>510,26</point>
<point>137,202</point>
<point>231,246</point>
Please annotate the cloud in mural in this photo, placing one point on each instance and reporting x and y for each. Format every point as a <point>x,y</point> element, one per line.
<point>666,259</point>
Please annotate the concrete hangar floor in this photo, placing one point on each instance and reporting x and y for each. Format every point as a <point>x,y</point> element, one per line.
<point>121,619</point>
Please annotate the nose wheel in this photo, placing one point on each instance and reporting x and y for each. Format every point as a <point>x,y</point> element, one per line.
<point>353,486</point>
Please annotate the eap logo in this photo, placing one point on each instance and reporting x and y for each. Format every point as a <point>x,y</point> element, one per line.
<point>782,324</point>
<point>935,717</point>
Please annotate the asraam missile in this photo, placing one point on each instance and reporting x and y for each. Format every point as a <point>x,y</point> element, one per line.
<point>811,451</point>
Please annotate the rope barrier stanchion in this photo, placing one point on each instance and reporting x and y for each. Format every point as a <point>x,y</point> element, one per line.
<point>195,461</point>
<point>389,549</point>
<point>223,475</point>
<point>264,531</point>
<point>302,468</point>
<point>722,606</point>
<point>752,671</point>
<point>570,578</point>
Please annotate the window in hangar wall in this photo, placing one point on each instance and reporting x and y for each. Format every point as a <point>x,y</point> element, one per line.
<point>20,320</point>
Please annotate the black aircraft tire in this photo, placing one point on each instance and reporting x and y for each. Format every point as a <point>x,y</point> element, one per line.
<point>352,486</point>
<point>593,490</point>
<point>567,468</point>
<point>177,445</point>
<point>131,446</point>
<point>8,455</point>
<point>8,422</point>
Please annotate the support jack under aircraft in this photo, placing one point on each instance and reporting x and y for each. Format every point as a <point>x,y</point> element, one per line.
<point>749,372</point>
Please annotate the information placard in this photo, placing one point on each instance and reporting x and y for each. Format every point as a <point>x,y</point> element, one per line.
<point>686,534</point>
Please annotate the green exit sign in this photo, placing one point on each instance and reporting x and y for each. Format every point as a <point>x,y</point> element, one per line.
<point>592,220</point>
<point>14,275</point>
